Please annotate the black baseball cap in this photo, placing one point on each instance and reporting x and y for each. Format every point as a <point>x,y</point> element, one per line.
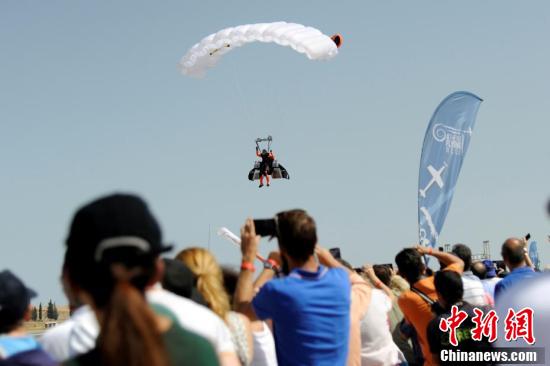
<point>114,221</point>
<point>15,298</point>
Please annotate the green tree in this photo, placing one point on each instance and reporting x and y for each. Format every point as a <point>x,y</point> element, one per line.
<point>34,314</point>
<point>49,313</point>
<point>40,311</point>
<point>55,312</point>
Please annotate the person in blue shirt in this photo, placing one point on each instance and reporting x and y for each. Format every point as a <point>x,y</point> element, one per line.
<point>16,346</point>
<point>514,255</point>
<point>309,307</point>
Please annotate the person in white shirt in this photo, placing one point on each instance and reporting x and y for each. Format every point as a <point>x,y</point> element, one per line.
<point>62,344</point>
<point>474,292</point>
<point>264,345</point>
<point>377,345</point>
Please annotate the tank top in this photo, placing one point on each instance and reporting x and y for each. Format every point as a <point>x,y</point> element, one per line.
<point>239,337</point>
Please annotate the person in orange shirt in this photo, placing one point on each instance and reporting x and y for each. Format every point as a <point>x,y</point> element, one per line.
<point>416,304</point>
<point>265,165</point>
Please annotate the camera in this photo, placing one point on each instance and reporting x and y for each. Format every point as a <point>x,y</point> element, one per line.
<point>266,227</point>
<point>335,253</point>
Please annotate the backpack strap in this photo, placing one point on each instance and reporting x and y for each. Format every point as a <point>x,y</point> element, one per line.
<point>422,295</point>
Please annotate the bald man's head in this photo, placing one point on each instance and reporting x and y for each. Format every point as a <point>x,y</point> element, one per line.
<point>513,253</point>
<point>478,269</point>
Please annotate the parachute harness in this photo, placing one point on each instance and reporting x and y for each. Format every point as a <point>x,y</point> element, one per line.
<point>217,49</point>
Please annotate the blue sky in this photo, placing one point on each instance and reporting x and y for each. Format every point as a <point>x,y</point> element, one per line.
<point>91,103</point>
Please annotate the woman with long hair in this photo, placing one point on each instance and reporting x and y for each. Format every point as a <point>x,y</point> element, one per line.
<point>210,284</point>
<point>112,256</point>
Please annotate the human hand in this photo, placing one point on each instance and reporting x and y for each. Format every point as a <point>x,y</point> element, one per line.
<point>325,257</point>
<point>369,271</point>
<point>249,241</point>
<point>424,250</point>
<point>276,257</point>
<point>524,242</point>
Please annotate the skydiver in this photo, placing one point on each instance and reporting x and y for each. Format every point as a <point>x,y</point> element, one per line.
<point>265,165</point>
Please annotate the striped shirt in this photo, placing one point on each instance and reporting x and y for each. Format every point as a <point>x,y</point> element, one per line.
<point>474,293</point>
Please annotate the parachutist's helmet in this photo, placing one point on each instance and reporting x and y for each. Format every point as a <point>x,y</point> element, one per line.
<point>264,151</point>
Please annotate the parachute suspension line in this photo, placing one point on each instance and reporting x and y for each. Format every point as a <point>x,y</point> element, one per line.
<point>241,96</point>
<point>273,94</point>
<point>281,110</point>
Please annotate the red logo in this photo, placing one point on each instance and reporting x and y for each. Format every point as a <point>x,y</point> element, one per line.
<point>520,325</point>
<point>453,322</point>
<point>486,326</point>
<point>517,325</point>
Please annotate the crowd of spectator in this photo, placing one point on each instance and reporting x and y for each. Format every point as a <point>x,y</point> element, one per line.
<point>132,304</point>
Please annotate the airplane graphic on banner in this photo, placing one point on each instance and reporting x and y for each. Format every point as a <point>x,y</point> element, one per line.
<point>436,178</point>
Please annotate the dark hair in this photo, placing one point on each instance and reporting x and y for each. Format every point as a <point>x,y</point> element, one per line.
<point>479,269</point>
<point>463,252</point>
<point>178,278</point>
<point>410,265</point>
<point>500,265</point>
<point>513,253</point>
<point>448,284</point>
<point>12,319</point>
<point>230,279</point>
<point>129,334</point>
<point>7,325</point>
<point>383,273</point>
<point>297,234</point>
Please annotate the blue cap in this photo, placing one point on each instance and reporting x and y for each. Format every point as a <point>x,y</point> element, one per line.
<point>490,267</point>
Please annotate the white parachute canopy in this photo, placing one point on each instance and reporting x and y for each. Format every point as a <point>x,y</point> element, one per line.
<point>307,40</point>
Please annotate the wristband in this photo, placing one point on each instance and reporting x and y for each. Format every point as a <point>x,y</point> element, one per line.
<point>272,263</point>
<point>249,266</point>
<point>430,251</point>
